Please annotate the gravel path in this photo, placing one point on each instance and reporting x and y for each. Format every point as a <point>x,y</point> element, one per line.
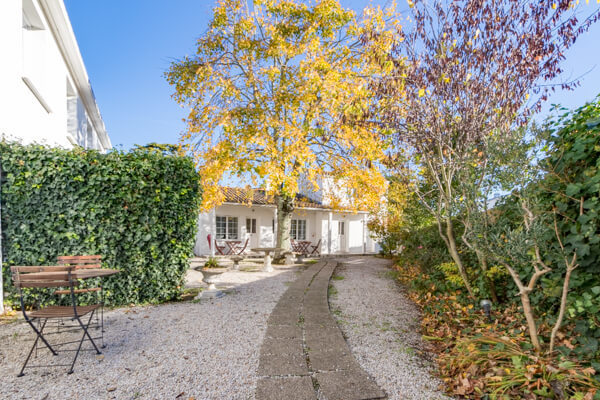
<point>205,350</point>
<point>381,327</point>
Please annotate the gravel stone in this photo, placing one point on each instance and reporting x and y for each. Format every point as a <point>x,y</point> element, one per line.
<point>205,350</point>
<point>381,327</point>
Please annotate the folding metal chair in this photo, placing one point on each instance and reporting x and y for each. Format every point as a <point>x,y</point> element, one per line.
<point>52,277</point>
<point>316,249</point>
<point>87,262</point>
<point>218,247</point>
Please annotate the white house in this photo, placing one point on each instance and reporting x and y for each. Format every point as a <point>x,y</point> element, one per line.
<point>45,93</point>
<point>242,217</point>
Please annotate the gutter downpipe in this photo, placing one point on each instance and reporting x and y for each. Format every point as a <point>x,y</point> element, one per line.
<point>1,265</point>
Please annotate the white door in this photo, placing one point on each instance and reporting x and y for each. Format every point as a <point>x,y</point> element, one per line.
<point>251,233</point>
<point>342,236</point>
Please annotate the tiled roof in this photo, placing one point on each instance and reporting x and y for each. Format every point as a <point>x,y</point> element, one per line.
<point>259,197</point>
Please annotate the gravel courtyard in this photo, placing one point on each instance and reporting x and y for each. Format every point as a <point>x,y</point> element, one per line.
<point>210,349</point>
<point>205,350</point>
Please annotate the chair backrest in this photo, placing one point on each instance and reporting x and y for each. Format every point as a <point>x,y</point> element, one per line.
<point>318,244</point>
<point>208,237</point>
<point>93,261</point>
<point>245,245</point>
<point>42,276</point>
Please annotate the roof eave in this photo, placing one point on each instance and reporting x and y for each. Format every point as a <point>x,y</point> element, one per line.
<point>231,203</point>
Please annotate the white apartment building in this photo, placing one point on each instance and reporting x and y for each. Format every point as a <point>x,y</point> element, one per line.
<point>45,93</point>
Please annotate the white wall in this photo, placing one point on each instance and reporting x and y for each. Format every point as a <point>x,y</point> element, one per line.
<point>316,228</point>
<point>33,54</point>
<point>264,220</point>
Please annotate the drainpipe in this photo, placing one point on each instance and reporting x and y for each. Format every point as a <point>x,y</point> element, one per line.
<point>1,269</point>
<point>213,231</point>
<point>275,224</point>
<point>364,233</point>
<point>329,223</point>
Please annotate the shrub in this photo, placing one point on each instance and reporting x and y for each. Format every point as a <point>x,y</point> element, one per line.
<point>137,209</point>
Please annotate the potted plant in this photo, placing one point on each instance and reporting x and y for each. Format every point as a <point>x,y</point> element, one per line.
<point>210,272</point>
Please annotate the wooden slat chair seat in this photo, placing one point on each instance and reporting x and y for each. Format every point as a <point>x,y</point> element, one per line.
<point>63,311</point>
<point>57,276</point>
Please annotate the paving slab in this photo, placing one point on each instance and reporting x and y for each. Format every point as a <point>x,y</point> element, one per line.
<point>284,319</point>
<point>336,359</point>
<point>292,387</point>
<point>347,385</point>
<point>282,364</point>
<point>284,331</point>
<point>282,346</point>
<point>325,343</point>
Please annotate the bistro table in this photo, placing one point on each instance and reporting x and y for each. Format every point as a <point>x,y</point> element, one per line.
<point>303,246</point>
<point>231,246</point>
<point>267,250</point>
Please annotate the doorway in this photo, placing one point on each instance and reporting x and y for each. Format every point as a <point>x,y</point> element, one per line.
<point>251,232</point>
<point>342,236</point>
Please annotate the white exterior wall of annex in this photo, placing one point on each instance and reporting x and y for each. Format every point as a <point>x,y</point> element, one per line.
<point>40,100</point>
<point>354,240</point>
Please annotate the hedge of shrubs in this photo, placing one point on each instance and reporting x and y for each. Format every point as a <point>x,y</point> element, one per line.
<point>137,209</point>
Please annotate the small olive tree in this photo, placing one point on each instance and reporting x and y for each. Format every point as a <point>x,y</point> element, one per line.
<point>467,72</point>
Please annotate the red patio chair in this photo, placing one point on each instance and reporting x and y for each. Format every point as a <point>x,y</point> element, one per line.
<point>316,249</point>
<point>217,246</point>
<point>239,249</point>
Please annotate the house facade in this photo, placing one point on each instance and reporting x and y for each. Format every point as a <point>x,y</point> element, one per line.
<point>251,215</point>
<point>45,93</point>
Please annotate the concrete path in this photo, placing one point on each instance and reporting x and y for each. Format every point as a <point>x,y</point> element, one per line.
<point>304,355</point>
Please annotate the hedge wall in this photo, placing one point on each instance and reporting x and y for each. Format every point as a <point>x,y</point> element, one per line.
<point>137,209</point>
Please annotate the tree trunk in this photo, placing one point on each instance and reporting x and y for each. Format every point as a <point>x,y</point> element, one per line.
<point>285,207</point>
<point>563,301</point>
<point>451,242</point>
<point>488,281</point>
<point>531,325</point>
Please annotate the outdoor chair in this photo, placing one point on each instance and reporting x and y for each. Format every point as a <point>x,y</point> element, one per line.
<point>87,262</point>
<point>218,247</point>
<point>295,246</point>
<point>239,249</point>
<point>316,249</point>
<point>60,276</point>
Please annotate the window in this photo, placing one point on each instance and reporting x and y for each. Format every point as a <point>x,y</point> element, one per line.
<point>340,227</point>
<point>298,229</point>
<point>227,227</point>
<point>250,225</point>
<point>34,42</point>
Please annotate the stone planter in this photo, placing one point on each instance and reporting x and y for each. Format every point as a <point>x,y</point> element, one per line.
<point>209,276</point>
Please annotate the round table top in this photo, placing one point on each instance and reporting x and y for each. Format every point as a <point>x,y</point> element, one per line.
<point>266,249</point>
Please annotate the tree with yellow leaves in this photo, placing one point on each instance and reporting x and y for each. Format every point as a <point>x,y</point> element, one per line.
<point>279,93</point>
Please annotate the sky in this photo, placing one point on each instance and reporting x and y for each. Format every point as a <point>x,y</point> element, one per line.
<point>128,45</point>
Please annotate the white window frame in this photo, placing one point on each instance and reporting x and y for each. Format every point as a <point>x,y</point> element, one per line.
<point>231,227</point>
<point>298,229</point>
<point>250,225</point>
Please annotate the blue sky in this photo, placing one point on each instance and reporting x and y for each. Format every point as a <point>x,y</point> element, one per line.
<point>128,45</point>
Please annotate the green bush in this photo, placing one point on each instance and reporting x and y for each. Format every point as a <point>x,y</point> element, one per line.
<point>571,191</point>
<point>137,209</point>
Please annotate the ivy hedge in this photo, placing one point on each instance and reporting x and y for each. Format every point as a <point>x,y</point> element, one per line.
<point>137,209</point>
